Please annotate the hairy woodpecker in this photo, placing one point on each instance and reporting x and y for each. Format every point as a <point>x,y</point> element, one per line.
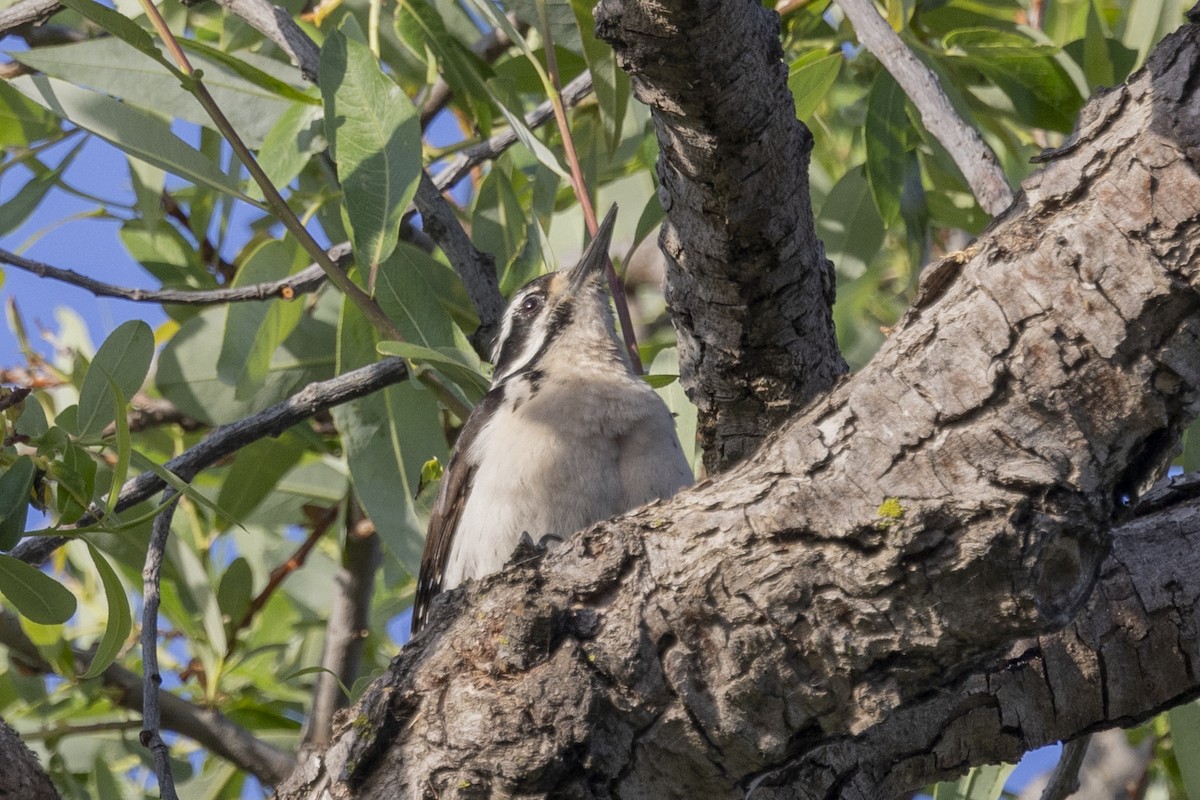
<point>566,436</point>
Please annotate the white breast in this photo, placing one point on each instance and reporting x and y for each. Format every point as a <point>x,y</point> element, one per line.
<point>558,463</point>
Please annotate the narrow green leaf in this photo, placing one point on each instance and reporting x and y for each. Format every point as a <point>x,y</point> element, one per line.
<point>254,331</point>
<point>75,474</point>
<point>124,446</point>
<point>1185,740</point>
<point>564,29</point>
<point>850,225</point>
<point>375,136</point>
<point>387,437</point>
<point>981,783</point>
<point>255,473</point>
<point>451,363</point>
<point>809,79</point>
<point>660,381</point>
<point>252,71</point>
<point>610,84</point>
<point>15,485</point>
<point>17,209</point>
<point>22,121</point>
<point>34,594</point>
<point>109,66</point>
<point>1096,64</point>
<point>137,132</point>
<point>187,369</point>
<point>121,362</point>
<point>887,142</point>
<point>235,591</point>
<point>124,29</point>
<point>297,135</point>
<point>120,617</point>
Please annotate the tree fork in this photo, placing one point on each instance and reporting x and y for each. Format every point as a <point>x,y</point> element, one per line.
<point>887,546</point>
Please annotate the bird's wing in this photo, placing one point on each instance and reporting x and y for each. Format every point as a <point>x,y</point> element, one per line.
<point>448,509</point>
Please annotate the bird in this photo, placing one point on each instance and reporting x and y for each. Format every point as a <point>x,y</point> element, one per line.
<point>567,435</point>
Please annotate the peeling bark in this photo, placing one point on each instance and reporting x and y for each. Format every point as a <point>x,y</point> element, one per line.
<point>870,601</point>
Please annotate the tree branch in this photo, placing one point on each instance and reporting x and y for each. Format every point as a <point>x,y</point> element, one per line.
<point>27,12</point>
<point>227,439</point>
<point>971,154</point>
<point>808,624</point>
<point>209,728</point>
<point>151,736</point>
<point>749,287</point>
<point>277,25</point>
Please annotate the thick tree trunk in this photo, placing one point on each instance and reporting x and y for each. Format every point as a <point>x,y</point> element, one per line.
<point>748,283</point>
<point>21,776</point>
<point>849,612</point>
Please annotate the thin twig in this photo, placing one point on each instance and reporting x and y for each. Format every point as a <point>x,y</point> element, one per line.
<point>615,286</point>
<point>974,158</point>
<point>26,12</point>
<point>346,627</point>
<point>455,169</point>
<point>151,736</point>
<point>279,574</point>
<point>1064,781</point>
<point>307,280</point>
<point>228,439</point>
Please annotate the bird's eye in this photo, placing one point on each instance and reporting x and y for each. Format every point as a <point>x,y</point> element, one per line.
<point>531,304</point>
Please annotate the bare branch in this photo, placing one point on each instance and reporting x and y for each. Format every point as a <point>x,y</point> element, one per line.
<point>277,24</point>
<point>476,269</point>
<point>1065,779</point>
<point>230,438</point>
<point>151,736</point>
<point>455,169</point>
<point>307,280</point>
<point>208,727</point>
<point>347,626</point>
<point>27,12</point>
<point>974,158</point>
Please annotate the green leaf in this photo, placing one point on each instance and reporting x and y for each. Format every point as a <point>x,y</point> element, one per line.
<point>610,84</point>
<point>124,359</point>
<point>22,121</point>
<point>109,66</point>
<point>76,477</point>
<point>236,591</point>
<point>34,594</point>
<point>1040,89</point>
<point>124,445</point>
<point>1185,741</point>
<point>452,363</point>
<point>375,136</point>
<point>659,381</point>
<point>809,79</point>
<point>255,473</point>
<point>564,29</point>
<point>297,135</point>
<point>164,252</point>
<point>255,331</point>
<point>850,225</point>
<point>137,132</point>
<point>125,29</point>
<point>887,142</point>
<point>120,618</point>
<point>387,437</point>
<point>187,369</point>
<point>499,223</point>
<point>15,485</point>
<point>265,73</point>
<point>981,783</point>
<point>17,209</point>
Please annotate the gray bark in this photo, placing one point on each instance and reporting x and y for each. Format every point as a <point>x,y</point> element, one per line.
<point>748,283</point>
<point>20,773</point>
<point>899,583</point>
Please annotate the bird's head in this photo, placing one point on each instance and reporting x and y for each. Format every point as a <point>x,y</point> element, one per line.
<point>563,315</point>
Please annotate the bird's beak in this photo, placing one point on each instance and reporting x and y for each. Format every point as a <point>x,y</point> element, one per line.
<point>596,255</point>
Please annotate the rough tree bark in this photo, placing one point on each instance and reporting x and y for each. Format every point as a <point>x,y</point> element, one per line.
<point>855,609</point>
<point>20,773</point>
